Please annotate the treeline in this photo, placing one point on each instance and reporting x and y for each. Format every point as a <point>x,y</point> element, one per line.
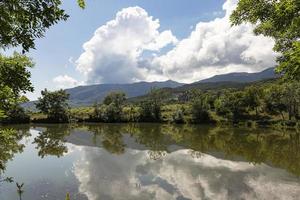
<point>265,102</point>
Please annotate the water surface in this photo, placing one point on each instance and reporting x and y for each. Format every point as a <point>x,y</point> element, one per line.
<point>150,161</point>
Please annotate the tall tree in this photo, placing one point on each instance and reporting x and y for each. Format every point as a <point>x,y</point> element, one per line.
<point>15,74</point>
<point>279,19</point>
<point>54,105</point>
<point>14,81</point>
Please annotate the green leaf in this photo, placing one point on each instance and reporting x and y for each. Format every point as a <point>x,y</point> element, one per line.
<point>81,3</point>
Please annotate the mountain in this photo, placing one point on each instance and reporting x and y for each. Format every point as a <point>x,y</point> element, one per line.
<point>87,95</point>
<point>242,77</point>
<point>224,81</point>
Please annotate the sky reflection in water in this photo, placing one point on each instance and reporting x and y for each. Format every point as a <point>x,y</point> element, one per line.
<point>149,161</point>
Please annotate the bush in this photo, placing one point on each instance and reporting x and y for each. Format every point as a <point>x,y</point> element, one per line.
<point>150,111</point>
<point>200,110</point>
<point>17,115</point>
<point>130,114</point>
<point>178,116</point>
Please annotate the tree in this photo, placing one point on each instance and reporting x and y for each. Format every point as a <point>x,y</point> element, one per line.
<point>151,107</point>
<point>112,108</point>
<point>22,21</point>
<point>279,20</point>
<point>51,141</point>
<point>14,81</point>
<point>253,97</point>
<point>200,109</point>
<point>54,105</point>
<point>274,103</point>
<point>15,74</point>
<point>291,98</point>
<point>231,104</point>
<point>117,98</point>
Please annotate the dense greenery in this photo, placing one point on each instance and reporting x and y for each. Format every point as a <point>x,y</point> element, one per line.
<point>14,81</point>
<point>266,103</point>
<point>279,20</point>
<point>22,22</point>
<point>263,103</point>
<point>54,105</point>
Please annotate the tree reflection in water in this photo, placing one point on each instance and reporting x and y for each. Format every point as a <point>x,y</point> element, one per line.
<point>253,145</point>
<point>51,141</point>
<point>10,144</point>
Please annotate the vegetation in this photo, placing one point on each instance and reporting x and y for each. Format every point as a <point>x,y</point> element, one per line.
<point>279,20</point>
<point>262,103</point>
<point>23,21</point>
<point>54,105</point>
<point>14,81</point>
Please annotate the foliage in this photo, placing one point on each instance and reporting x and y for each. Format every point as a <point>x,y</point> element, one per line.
<point>274,100</point>
<point>200,109</point>
<point>178,116</point>
<point>253,98</point>
<point>23,21</point>
<point>130,113</point>
<point>2,114</point>
<point>150,111</point>
<point>51,142</point>
<point>116,98</point>
<point>14,73</point>
<point>279,20</point>
<point>81,3</point>
<point>111,110</point>
<point>9,145</point>
<point>231,104</point>
<point>14,80</point>
<point>54,105</point>
<point>290,62</point>
<point>68,196</point>
<point>151,108</point>
<point>266,103</point>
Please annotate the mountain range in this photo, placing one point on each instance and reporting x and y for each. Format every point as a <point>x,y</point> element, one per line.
<point>242,77</point>
<point>89,94</point>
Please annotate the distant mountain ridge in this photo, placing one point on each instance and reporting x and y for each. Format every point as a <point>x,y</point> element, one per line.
<point>242,77</point>
<point>87,95</point>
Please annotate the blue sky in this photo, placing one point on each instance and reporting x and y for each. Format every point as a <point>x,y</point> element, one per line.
<point>56,54</point>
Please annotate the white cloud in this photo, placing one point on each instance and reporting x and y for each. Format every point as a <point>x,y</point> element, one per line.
<point>178,175</point>
<point>112,54</point>
<point>116,51</point>
<point>65,81</point>
<point>216,47</point>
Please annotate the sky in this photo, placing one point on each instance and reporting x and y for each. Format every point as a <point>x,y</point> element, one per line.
<point>124,41</point>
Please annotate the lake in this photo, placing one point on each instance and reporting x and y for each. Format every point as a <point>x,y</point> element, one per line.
<point>150,161</point>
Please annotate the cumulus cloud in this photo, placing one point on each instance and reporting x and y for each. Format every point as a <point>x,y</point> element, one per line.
<point>178,175</point>
<point>65,81</point>
<point>216,47</point>
<point>112,54</point>
<point>116,51</point>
